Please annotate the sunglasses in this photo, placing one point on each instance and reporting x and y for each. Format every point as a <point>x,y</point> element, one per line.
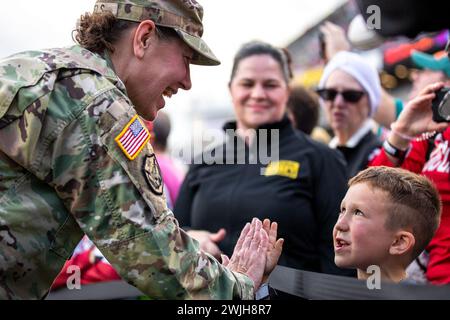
<point>348,95</point>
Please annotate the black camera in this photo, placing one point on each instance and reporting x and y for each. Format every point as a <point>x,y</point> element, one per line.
<point>441,105</point>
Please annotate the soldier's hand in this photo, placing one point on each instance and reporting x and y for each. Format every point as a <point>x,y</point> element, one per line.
<point>249,256</point>
<point>208,241</point>
<point>274,248</point>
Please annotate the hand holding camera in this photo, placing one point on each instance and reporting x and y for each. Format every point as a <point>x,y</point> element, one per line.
<point>441,105</point>
<point>418,117</point>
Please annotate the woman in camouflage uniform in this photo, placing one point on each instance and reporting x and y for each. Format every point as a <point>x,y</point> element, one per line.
<point>75,158</point>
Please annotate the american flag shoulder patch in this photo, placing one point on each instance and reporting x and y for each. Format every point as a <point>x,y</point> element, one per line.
<point>133,138</point>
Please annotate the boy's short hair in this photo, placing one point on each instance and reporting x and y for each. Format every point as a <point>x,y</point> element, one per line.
<point>416,202</point>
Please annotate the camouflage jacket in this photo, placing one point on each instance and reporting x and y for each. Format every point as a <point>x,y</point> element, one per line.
<point>62,174</point>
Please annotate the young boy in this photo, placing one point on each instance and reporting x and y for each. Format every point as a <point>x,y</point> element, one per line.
<point>387,218</point>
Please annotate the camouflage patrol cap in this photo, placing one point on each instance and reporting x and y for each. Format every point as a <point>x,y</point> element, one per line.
<point>184,16</point>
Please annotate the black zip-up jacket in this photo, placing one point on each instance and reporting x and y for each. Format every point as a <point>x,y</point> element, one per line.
<point>358,158</point>
<point>304,201</point>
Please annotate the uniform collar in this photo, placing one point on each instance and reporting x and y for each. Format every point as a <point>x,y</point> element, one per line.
<point>283,124</point>
<point>113,75</point>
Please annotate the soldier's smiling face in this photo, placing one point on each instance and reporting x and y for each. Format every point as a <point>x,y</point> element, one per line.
<point>162,71</point>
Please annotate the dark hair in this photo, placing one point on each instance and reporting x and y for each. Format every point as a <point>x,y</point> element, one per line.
<point>415,200</point>
<point>98,32</point>
<point>304,106</point>
<point>161,130</point>
<point>253,48</point>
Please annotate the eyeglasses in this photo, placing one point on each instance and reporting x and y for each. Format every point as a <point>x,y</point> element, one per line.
<point>348,95</point>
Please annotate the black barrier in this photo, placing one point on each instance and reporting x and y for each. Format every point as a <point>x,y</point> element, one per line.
<point>303,284</point>
<point>320,286</point>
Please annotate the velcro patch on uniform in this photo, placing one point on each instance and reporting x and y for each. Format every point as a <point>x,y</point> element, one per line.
<point>152,174</point>
<point>285,168</point>
<point>133,138</point>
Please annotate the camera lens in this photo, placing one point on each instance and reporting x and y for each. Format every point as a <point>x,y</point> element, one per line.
<point>444,105</point>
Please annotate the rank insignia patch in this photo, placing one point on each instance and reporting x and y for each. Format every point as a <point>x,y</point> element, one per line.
<point>133,138</point>
<point>152,174</point>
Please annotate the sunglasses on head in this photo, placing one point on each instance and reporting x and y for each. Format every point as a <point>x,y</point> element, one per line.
<point>348,95</point>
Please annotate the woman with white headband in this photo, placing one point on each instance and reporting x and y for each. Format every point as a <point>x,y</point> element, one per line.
<point>350,92</point>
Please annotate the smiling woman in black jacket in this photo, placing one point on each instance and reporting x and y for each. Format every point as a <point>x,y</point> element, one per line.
<point>301,190</point>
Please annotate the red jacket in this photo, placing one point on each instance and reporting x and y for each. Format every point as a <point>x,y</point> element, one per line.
<point>93,266</point>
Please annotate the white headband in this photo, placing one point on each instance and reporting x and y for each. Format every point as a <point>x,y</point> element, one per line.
<point>361,70</point>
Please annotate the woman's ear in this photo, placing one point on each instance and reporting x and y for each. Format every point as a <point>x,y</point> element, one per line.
<point>288,94</point>
<point>144,34</point>
<point>289,89</point>
<point>404,242</point>
<point>291,117</point>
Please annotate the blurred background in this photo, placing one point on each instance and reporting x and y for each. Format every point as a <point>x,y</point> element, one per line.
<point>293,24</point>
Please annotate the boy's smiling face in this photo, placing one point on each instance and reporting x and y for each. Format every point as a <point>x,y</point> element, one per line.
<point>360,235</point>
